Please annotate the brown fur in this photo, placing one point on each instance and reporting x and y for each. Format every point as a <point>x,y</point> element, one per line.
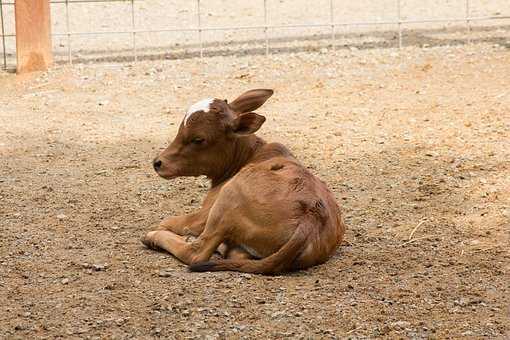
<point>266,211</point>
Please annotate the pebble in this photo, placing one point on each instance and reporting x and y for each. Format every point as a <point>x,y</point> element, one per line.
<point>99,267</point>
<point>165,273</point>
<point>278,314</point>
<point>401,324</point>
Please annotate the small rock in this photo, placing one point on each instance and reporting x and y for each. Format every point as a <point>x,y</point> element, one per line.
<point>19,327</point>
<point>65,281</point>
<point>401,324</point>
<point>99,267</point>
<point>462,302</point>
<point>165,273</point>
<point>278,314</point>
<point>61,216</point>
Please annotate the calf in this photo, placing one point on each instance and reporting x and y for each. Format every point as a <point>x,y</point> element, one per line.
<point>264,209</point>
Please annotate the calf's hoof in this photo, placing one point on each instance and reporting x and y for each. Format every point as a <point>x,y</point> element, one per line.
<point>149,240</point>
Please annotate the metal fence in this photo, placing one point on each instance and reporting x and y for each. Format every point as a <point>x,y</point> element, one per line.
<point>331,24</point>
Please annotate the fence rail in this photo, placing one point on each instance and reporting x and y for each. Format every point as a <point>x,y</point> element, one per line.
<point>266,27</point>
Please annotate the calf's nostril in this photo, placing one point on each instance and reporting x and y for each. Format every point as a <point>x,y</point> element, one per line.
<point>156,164</point>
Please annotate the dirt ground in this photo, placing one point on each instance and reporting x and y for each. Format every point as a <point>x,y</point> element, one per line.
<point>414,143</point>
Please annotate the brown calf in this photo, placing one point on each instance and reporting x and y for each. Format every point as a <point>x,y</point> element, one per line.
<point>268,213</point>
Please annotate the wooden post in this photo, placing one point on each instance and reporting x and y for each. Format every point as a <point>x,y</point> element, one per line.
<point>33,35</point>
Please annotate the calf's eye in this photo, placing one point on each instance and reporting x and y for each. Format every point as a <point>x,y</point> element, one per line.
<point>197,140</point>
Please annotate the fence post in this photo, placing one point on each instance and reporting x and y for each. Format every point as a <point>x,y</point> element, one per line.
<point>2,30</point>
<point>33,35</point>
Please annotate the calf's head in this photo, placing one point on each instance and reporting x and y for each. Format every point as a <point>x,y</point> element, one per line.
<point>209,136</point>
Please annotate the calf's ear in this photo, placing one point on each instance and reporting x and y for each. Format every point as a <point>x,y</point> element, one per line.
<point>247,123</point>
<point>250,100</point>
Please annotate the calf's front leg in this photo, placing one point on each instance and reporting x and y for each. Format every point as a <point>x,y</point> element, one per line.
<point>198,250</point>
<point>191,224</point>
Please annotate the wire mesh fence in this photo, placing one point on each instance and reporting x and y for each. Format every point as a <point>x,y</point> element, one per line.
<point>329,19</point>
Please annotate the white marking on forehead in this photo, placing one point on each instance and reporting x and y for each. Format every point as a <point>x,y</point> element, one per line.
<point>202,105</point>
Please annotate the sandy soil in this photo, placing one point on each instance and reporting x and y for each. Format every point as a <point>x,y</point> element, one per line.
<point>414,143</point>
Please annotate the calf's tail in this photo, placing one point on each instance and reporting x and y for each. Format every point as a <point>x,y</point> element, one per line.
<point>281,261</point>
